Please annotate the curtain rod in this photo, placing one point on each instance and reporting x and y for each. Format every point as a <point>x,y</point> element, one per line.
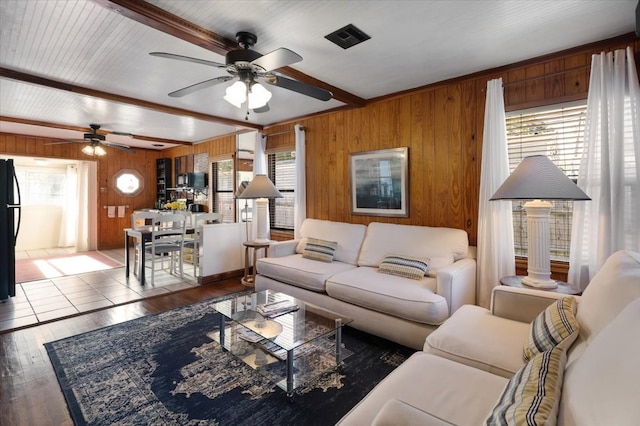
<point>282,133</point>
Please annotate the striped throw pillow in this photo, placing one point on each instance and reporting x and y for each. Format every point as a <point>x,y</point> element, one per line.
<point>404,266</point>
<point>554,325</point>
<point>532,396</point>
<point>321,250</point>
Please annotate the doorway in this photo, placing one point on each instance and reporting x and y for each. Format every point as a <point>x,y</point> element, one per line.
<point>58,206</point>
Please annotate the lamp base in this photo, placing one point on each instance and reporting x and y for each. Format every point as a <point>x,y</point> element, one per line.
<point>537,283</point>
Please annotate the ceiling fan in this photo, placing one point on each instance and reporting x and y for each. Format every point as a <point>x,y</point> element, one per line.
<point>250,68</point>
<point>95,141</point>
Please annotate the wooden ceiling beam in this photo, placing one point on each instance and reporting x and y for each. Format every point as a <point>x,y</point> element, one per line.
<point>86,130</point>
<point>41,81</point>
<point>155,17</point>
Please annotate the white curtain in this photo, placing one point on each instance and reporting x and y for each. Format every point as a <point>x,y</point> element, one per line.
<point>67,234</point>
<point>610,167</point>
<point>87,196</point>
<point>496,257</point>
<point>259,168</point>
<point>78,227</point>
<point>300,189</point>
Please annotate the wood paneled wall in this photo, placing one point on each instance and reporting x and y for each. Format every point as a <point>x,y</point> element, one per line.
<point>442,125</point>
<point>110,234</point>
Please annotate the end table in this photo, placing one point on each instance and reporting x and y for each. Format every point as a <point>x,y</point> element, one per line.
<point>564,288</point>
<point>250,278</point>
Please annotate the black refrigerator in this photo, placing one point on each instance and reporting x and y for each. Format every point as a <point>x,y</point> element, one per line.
<point>9,226</point>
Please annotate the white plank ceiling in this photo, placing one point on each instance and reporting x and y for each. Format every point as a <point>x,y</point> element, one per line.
<point>89,44</point>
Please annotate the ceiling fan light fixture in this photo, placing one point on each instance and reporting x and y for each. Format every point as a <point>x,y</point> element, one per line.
<point>258,96</point>
<point>236,94</point>
<point>88,150</point>
<point>94,149</point>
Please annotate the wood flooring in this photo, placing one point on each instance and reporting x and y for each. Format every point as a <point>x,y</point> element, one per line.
<point>29,390</point>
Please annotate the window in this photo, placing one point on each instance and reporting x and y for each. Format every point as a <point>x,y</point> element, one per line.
<point>128,182</point>
<point>223,181</point>
<point>42,186</point>
<point>282,172</point>
<point>556,131</point>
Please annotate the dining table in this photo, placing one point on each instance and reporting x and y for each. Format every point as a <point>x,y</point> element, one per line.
<point>144,234</point>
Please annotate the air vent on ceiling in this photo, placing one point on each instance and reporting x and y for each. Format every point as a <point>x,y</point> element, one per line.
<point>347,37</point>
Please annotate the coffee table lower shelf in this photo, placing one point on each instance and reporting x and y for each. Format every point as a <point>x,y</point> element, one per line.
<point>288,369</point>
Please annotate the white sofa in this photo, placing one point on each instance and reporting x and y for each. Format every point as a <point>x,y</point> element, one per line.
<point>399,309</point>
<point>460,375</point>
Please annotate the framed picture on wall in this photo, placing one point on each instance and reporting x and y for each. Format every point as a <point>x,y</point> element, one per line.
<point>380,182</point>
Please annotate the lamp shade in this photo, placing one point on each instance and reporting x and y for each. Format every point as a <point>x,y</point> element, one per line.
<point>260,187</point>
<point>258,96</point>
<point>236,94</point>
<point>243,185</point>
<point>537,178</point>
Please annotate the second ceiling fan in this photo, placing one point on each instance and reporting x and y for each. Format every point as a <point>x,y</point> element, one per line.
<point>250,68</point>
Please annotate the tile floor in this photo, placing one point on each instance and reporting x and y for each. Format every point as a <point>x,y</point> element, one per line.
<point>55,298</point>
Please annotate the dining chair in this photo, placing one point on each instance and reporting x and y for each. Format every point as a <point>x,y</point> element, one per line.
<point>140,220</point>
<point>193,243</point>
<point>167,242</point>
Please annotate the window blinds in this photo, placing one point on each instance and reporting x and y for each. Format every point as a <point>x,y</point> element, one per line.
<point>557,132</point>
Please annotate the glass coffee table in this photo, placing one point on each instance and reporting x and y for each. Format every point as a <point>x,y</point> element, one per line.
<point>286,338</point>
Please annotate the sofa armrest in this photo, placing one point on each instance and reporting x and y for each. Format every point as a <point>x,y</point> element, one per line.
<point>521,304</point>
<point>457,283</point>
<point>396,412</point>
<point>283,248</point>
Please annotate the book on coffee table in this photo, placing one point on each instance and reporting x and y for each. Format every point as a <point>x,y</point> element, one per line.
<point>271,310</point>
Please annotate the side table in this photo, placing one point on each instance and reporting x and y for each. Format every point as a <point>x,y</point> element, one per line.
<point>250,277</point>
<point>564,288</point>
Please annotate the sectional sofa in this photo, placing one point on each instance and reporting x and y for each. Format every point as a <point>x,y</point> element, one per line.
<point>585,372</point>
<point>405,310</point>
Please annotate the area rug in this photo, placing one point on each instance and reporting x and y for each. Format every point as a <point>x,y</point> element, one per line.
<point>167,369</point>
<point>60,266</point>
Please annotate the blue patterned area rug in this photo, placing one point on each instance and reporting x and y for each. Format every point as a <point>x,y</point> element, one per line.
<point>165,369</point>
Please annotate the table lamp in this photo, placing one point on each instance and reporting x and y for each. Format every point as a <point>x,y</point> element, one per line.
<point>260,189</point>
<point>243,185</point>
<point>536,178</point>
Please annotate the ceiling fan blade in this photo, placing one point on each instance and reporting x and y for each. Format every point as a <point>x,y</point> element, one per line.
<point>63,142</point>
<point>198,86</point>
<point>262,109</point>
<point>188,59</point>
<point>277,59</point>
<point>297,86</point>
<point>120,147</point>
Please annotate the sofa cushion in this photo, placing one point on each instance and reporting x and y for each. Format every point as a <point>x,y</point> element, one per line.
<point>404,266</point>
<point>602,387</point>
<point>615,285</point>
<point>395,412</point>
<point>551,327</point>
<point>300,272</point>
<point>317,249</point>
<point>475,337</point>
<point>532,395</point>
<point>447,390</point>
<point>349,237</point>
<point>441,245</point>
<point>414,300</point>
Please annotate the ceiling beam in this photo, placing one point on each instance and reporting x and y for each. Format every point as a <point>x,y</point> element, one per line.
<point>155,17</point>
<point>86,129</point>
<point>41,81</point>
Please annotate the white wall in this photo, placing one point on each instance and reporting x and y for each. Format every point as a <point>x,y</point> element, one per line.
<point>39,227</point>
